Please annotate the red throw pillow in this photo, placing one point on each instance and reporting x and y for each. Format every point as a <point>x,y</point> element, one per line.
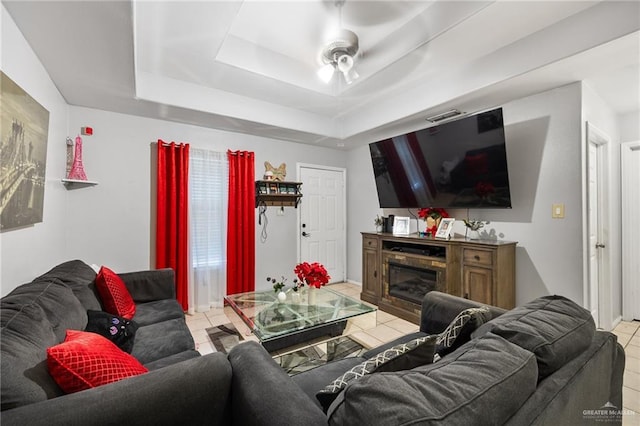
<point>86,360</point>
<point>114,294</point>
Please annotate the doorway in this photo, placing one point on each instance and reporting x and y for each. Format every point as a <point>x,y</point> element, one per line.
<point>322,218</point>
<point>630,168</point>
<point>597,283</point>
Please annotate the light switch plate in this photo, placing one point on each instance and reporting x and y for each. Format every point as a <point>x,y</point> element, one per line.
<point>557,211</point>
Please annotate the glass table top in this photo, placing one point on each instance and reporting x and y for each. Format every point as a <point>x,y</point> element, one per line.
<point>268,318</point>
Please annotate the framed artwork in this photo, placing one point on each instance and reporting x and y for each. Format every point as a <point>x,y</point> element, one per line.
<point>401,225</point>
<point>23,156</point>
<point>444,229</point>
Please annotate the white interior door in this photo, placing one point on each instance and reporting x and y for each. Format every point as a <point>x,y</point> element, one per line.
<point>599,288</point>
<point>322,233</point>
<point>630,231</point>
<point>593,226</point>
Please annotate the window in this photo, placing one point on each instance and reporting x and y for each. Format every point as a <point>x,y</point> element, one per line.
<point>208,184</point>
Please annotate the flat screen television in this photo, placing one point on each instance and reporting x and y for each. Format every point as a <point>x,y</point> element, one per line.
<point>457,164</point>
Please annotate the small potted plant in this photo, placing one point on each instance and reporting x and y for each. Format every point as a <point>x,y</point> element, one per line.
<point>474,227</point>
<point>379,222</point>
<point>278,286</point>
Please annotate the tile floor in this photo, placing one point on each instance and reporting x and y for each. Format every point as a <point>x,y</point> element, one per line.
<point>380,327</point>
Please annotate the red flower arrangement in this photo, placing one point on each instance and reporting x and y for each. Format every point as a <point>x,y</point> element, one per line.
<point>314,274</point>
<point>432,212</point>
<point>435,213</point>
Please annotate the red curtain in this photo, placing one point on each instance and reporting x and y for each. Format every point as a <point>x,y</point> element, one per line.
<point>172,214</point>
<point>241,240</point>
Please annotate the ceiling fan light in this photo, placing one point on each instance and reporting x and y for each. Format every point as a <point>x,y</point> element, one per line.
<point>345,63</point>
<point>326,73</point>
<point>353,75</point>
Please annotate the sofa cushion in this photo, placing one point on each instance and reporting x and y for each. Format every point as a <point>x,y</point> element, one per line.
<point>87,360</point>
<point>80,278</point>
<point>114,294</point>
<point>26,334</point>
<point>116,329</point>
<point>166,338</point>
<point>172,359</point>
<point>554,328</point>
<point>459,330</point>
<point>158,311</point>
<point>61,307</point>
<point>484,382</point>
<point>405,356</point>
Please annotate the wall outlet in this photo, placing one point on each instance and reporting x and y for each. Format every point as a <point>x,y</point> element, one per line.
<point>557,211</point>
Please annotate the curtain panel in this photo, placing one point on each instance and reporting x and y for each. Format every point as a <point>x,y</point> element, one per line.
<point>241,239</point>
<point>172,232</point>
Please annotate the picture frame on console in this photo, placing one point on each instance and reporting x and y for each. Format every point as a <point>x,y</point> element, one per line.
<point>444,229</point>
<point>401,225</point>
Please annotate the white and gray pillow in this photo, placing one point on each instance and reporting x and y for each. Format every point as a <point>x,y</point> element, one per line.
<point>404,356</point>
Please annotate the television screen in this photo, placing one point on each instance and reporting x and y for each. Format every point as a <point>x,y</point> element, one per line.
<point>458,164</point>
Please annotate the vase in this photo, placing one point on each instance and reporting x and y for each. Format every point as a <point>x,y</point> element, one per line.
<point>295,297</point>
<point>432,224</point>
<point>282,296</point>
<point>312,295</point>
<point>473,234</point>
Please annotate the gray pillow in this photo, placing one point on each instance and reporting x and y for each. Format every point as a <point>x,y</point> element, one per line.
<point>404,356</point>
<point>484,382</point>
<point>554,328</point>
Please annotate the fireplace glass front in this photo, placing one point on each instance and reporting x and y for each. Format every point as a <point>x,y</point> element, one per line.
<point>411,283</point>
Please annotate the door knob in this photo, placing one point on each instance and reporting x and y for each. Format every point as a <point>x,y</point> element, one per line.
<point>306,234</point>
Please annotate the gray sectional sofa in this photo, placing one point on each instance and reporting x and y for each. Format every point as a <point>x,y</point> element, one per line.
<point>181,387</point>
<point>542,363</point>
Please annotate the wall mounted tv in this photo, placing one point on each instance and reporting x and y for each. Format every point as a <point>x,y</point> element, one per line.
<point>457,164</point>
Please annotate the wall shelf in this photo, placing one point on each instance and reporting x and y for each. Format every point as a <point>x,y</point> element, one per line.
<point>77,184</point>
<point>276,193</point>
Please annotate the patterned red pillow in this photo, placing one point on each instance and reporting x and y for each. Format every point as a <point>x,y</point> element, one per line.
<point>86,360</point>
<point>114,294</point>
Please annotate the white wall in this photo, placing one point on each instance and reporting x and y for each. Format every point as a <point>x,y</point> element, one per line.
<point>28,252</point>
<point>544,153</point>
<point>112,221</point>
<point>629,125</point>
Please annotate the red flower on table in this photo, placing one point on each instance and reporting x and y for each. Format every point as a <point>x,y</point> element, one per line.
<point>313,274</point>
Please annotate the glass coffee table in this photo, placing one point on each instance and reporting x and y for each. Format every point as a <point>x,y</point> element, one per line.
<point>282,324</point>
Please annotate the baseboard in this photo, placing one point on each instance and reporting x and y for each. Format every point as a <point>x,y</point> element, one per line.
<point>355,282</point>
<point>615,322</point>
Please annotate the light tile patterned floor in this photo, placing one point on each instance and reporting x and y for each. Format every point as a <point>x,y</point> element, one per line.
<point>380,327</point>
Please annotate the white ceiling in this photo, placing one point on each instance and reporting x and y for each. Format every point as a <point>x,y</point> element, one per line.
<point>250,66</point>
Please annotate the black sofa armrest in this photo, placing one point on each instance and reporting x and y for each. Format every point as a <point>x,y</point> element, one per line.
<point>439,309</point>
<point>192,392</point>
<point>151,285</point>
<point>263,394</point>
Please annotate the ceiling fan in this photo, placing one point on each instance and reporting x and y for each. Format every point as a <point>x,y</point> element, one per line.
<point>339,52</point>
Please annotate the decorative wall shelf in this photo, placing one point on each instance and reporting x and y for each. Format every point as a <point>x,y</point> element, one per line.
<point>77,184</point>
<point>276,193</point>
